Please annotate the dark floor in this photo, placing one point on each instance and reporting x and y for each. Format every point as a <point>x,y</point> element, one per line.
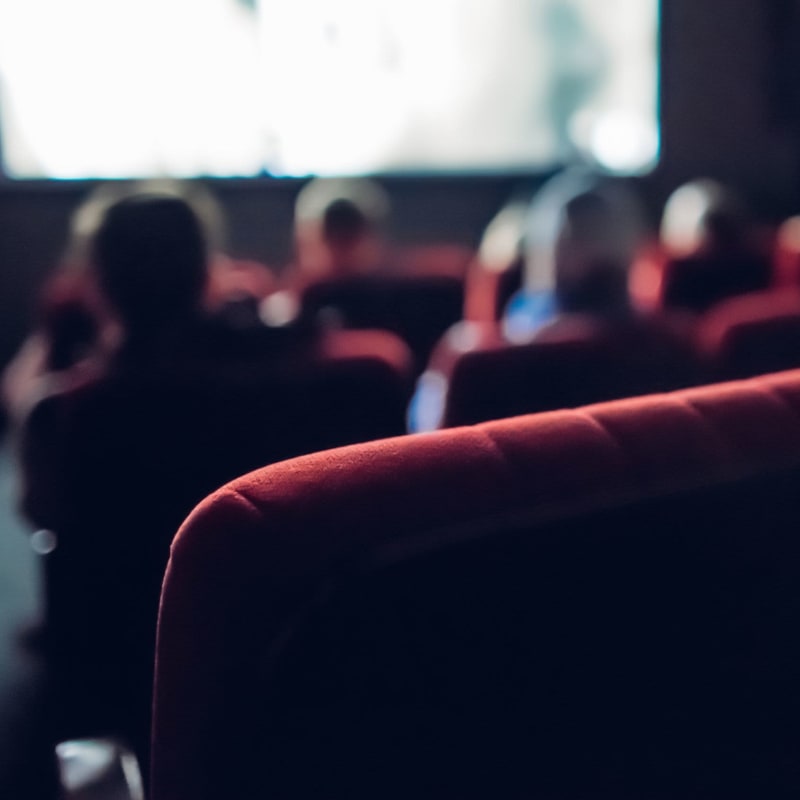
<point>24,752</point>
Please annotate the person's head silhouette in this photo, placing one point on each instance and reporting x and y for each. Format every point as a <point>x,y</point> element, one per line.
<point>339,226</point>
<point>150,259</point>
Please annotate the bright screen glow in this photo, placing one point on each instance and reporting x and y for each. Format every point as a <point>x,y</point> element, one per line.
<point>133,88</point>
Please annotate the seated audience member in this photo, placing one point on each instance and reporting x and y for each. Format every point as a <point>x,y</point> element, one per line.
<point>67,329</point>
<point>235,285</point>
<point>116,450</point>
<point>154,282</point>
<point>147,265</point>
<point>342,276</point>
<point>160,287</point>
<point>146,261</point>
<point>70,321</point>
<point>78,321</point>
<point>339,228</point>
<point>339,234</point>
<point>581,237</point>
<point>710,247</point>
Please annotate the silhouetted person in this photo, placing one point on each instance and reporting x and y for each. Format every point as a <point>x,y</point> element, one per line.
<point>150,259</point>
<point>116,449</point>
<point>711,255</point>
<point>235,285</point>
<point>339,228</point>
<point>582,233</point>
<point>70,322</point>
<point>340,278</point>
<point>339,237</point>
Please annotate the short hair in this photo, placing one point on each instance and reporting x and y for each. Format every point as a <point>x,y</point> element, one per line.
<point>202,200</point>
<point>150,257</point>
<point>89,215</point>
<point>345,208</point>
<point>702,212</point>
<point>582,234</point>
<point>344,222</point>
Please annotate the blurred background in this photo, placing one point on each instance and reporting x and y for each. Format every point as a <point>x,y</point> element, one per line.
<point>454,106</point>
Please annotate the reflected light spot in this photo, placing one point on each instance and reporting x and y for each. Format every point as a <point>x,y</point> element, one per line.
<point>463,337</point>
<point>278,309</point>
<point>44,542</point>
<point>624,141</point>
<point>789,234</point>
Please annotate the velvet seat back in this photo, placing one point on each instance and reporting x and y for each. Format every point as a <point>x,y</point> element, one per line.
<point>698,282</point>
<point>417,308</point>
<point>487,291</point>
<point>751,335</point>
<point>573,362</point>
<point>590,603</point>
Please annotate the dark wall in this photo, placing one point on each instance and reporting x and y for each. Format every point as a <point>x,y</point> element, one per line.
<point>727,112</point>
<point>727,108</point>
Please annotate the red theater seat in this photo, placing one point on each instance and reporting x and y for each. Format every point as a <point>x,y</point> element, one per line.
<point>593,603</point>
<point>488,291</point>
<point>697,282</point>
<point>417,308</point>
<point>574,361</point>
<point>443,259</point>
<point>751,335</point>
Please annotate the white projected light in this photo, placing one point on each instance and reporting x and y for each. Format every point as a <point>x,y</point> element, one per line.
<point>116,89</point>
<point>624,141</point>
<point>131,88</point>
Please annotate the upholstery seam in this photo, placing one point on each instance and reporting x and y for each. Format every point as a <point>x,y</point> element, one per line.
<point>774,391</point>
<point>613,438</point>
<point>712,424</point>
<point>238,494</point>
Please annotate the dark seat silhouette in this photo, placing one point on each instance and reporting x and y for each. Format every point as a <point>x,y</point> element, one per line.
<point>712,248</point>
<point>751,335</point>
<point>697,282</point>
<point>418,308</point>
<point>114,466</point>
<point>592,603</point>
<point>575,361</point>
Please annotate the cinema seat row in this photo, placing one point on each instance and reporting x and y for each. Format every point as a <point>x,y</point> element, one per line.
<point>599,602</point>
<point>582,359</point>
<point>156,448</point>
<point>417,308</point>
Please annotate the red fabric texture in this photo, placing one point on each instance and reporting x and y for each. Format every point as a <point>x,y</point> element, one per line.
<point>697,282</point>
<point>417,308</point>
<point>575,360</point>
<point>246,558</point>
<point>488,291</point>
<point>752,334</point>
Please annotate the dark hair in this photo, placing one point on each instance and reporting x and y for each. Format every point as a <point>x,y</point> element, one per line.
<point>343,222</point>
<point>724,226</point>
<point>597,280</point>
<point>150,255</point>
